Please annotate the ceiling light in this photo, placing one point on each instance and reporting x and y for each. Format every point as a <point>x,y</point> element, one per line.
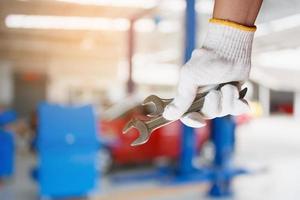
<point>118,3</point>
<point>67,23</point>
<point>86,23</point>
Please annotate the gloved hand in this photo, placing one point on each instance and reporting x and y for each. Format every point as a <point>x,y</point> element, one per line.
<point>225,57</point>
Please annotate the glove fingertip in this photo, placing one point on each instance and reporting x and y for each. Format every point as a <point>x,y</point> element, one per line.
<point>211,107</point>
<point>172,112</point>
<point>241,107</point>
<point>193,120</point>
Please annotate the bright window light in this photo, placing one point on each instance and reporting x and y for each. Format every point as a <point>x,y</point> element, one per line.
<point>117,3</point>
<point>172,6</point>
<point>68,23</point>
<point>144,25</point>
<point>163,56</point>
<point>205,6</point>
<point>287,59</point>
<point>156,73</point>
<point>277,25</point>
<point>86,23</point>
<point>169,26</point>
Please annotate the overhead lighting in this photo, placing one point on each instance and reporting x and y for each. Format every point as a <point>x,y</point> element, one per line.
<point>67,23</point>
<point>117,3</point>
<point>85,23</point>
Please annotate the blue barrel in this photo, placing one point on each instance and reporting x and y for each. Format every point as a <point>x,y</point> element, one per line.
<point>7,154</point>
<point>7,116</point>
<point>67,146</point>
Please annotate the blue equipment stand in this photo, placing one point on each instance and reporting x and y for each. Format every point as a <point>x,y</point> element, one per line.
<point>188,137</point>
<point>68,147</point>
<point>7,154</point>
<point>223,138</point>
<point>7,116</point>
<point>7,144</point>
<point>186,172</point>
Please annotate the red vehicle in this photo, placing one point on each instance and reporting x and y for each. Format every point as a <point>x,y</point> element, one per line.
<point>164,142</point>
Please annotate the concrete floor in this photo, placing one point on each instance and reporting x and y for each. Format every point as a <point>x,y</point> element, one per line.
<point>268,146</point>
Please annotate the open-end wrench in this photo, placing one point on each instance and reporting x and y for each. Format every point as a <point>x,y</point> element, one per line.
<point>145,128</point>
<point>155,105</point>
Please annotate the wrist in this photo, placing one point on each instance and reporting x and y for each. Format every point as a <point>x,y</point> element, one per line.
<point>230,40</point>
<point>232,24</point>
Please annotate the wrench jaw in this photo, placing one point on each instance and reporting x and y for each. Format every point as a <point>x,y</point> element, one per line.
<point>156,104</point>
<point>144,133</point>
<point>243,93</point>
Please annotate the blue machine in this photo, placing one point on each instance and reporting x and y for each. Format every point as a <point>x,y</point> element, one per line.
<point>7,117</point>
<point>7,154</point>
<point>188,136</point>
<point>7,144</point>
<point>67,150</point>
<point>223,138</point>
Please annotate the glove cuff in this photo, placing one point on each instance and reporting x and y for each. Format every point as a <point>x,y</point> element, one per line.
<point>230,40</point>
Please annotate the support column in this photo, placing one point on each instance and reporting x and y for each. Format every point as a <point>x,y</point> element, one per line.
<point>188,144</point>
<point>264,99</point>
<point>6,84</point>
<point>223,138</point>
<point>130,83</point>
<point>297,105</point>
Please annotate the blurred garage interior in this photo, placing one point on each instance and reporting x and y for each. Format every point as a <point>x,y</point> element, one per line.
<point>73,72</point>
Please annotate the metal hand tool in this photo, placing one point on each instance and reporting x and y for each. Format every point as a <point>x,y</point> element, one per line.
<point>145,128</point>
<point>155,105</point>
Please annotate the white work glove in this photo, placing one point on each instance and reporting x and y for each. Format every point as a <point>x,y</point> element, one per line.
<point>225,57</point>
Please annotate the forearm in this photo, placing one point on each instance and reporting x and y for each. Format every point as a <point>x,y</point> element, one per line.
<point>240,11</point>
